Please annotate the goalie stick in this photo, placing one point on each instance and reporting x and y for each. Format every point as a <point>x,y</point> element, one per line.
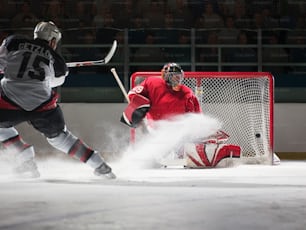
<point>104,61</point>
<point>114,72</point>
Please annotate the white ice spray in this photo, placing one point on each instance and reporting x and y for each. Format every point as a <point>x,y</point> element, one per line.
<point>164,138</point>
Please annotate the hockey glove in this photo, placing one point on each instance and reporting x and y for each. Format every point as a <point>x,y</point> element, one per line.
<point>135,111</point>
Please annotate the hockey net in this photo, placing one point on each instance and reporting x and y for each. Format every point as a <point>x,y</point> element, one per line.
<point>243,101</point>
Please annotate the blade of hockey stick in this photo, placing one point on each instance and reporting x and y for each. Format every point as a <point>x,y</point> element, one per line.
<point>107,58</point>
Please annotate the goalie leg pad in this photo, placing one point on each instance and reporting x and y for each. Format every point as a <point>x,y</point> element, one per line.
<point>210,155</point>
<point>135,111</point>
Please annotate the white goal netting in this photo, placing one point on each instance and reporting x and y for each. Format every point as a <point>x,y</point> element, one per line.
<point>243,101</point>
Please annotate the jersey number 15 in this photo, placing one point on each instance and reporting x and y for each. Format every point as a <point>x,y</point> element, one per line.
<point>37,72</point>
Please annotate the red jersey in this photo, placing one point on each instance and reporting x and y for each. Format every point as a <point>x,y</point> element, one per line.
<point>164,101</point>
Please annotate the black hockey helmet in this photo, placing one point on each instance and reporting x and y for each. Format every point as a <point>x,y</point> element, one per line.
<point>173,74</point>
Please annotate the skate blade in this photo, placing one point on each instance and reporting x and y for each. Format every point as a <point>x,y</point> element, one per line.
<point>108,176</point>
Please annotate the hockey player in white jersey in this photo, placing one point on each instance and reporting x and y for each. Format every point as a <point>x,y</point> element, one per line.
<point>31,70</point>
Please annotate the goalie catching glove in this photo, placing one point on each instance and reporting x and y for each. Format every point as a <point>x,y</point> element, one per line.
<point>135,111</point>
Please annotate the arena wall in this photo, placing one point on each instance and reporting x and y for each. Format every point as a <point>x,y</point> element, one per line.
<point>98,125</point>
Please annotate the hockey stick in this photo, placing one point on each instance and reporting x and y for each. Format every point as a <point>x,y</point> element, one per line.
<point>114,72</point>
<point>104,61</point>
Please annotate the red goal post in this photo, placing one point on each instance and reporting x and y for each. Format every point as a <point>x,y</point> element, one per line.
<point>242,101</point>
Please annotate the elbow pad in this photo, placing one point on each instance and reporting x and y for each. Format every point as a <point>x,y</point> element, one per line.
<point>57,81</point>
<point>135,111</point>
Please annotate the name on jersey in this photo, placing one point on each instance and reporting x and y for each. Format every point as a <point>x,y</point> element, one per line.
<point>35,48</point>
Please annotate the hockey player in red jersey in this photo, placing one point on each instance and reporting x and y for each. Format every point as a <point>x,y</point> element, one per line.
<point>32,69</point>
<point>162,98</point>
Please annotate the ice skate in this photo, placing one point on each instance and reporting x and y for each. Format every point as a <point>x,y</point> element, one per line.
<point>27,169</point>
<point>105,171</point>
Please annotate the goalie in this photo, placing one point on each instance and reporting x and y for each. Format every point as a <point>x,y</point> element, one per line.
<point>163,98</point>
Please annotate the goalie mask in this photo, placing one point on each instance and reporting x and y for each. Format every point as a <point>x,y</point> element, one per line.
<point>47,31</point>
<point>173,74</point>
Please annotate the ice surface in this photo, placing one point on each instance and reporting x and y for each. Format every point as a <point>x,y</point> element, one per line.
<point>69,196</point>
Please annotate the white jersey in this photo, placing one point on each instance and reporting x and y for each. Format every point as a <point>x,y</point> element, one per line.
<point>31,69</point>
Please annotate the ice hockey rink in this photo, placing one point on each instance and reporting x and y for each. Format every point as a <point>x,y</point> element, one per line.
<point>69,196</point>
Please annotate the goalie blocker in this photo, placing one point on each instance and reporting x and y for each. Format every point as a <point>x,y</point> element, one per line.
<point>135,111</point>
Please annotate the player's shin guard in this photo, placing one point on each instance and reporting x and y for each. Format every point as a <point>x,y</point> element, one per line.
<point>14,144</point>
<point>74,147</point>
<point>23,153</point>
